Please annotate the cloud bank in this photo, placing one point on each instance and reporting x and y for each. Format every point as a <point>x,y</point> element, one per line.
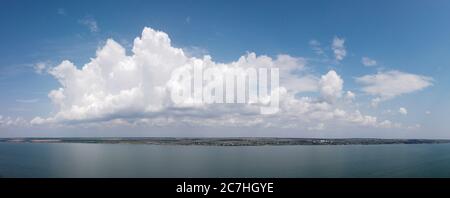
<point>135,90</point>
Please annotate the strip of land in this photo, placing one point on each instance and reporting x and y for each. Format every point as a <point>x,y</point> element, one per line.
<point>257,141</point>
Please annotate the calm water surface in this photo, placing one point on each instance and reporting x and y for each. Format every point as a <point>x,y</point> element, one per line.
<point>125,160</point>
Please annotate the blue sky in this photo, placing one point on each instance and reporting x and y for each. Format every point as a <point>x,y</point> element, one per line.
<point>411,37</point>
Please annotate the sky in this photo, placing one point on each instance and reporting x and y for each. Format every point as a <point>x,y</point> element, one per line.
<point>103,68</point>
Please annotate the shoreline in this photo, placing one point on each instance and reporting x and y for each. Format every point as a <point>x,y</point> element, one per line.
<point>256,141</point>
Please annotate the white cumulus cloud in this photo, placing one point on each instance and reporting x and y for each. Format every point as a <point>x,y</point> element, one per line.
<point>12,122</point>
<point>116,88</point>
<point>330,86</point>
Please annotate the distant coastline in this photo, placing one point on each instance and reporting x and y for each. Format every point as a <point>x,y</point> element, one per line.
<point>245,141</point>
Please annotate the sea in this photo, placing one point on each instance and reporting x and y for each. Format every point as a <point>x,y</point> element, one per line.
<point>85,160</point>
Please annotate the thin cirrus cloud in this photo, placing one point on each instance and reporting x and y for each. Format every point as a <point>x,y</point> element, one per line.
<point>134,89</point>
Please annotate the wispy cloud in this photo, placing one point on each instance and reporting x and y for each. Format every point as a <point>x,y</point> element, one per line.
<point>390,84</point>
<point>40,67</point>
<point>91,23</point>
<point>33,100</point>
<point>339,48</point>
<point>61,11</point>
<point>368,62</point>
<point>9,71</point>
<point>316,47</point>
